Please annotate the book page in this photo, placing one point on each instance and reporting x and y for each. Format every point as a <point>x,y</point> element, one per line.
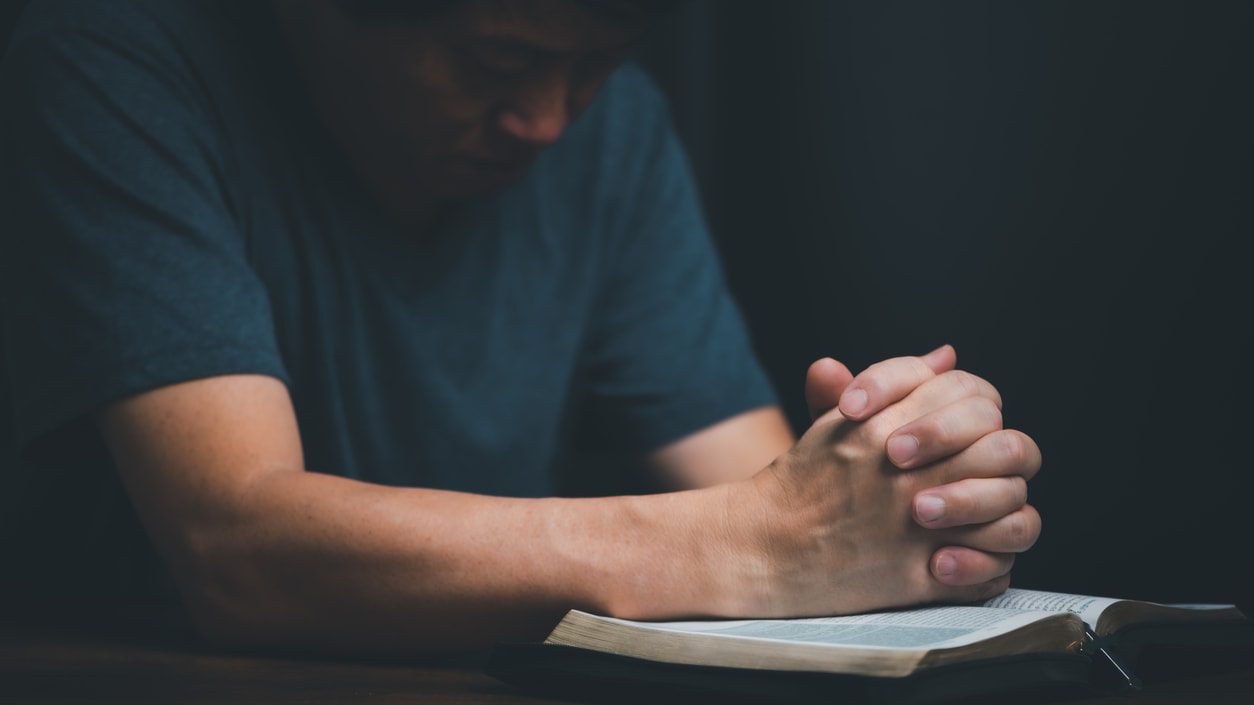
<point>1087,607</point>
<point>936,627</point>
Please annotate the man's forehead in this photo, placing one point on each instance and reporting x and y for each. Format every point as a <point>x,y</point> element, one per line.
<point>557,26</point>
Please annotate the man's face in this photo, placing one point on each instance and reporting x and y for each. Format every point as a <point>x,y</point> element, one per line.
<point>457,104</point>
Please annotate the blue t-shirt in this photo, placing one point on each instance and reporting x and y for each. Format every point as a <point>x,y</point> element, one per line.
<point>173,210</point>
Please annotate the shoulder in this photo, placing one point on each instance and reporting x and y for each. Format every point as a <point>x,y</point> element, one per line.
<point>629,94</point>
<point>90,74</point>
<point>175,41</point>
<point>133,20</point>
<point>624,136</point>
<point>629,110</point>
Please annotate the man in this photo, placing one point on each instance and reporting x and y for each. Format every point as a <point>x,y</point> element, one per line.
<point>330,285</point>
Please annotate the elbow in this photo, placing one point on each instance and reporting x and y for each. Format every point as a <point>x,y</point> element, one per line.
<point>229,596</point>
<point>223,620</point>
<point>228,615</point>
<point>221,629</point>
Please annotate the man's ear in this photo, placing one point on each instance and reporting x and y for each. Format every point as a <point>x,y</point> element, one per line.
<point>825,382</point>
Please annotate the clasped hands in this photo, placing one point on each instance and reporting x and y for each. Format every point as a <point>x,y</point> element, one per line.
<point>906,489</point>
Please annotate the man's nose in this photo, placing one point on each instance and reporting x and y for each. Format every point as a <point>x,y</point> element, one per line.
<point>540,113</point>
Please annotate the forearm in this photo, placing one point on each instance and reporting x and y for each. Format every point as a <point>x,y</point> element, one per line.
<point>322,562</point>
<point>734,449</point>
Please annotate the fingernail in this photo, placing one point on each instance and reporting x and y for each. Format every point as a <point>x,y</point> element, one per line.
<point>902,448</point>
<point>929,507</point>
<point>946,565</point>
<point>854,401</point>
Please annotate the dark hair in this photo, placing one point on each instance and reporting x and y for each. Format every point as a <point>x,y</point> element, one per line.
<point>424,9</point>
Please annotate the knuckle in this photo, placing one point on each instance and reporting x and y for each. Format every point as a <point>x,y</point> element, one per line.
<point>873,377</point>
<point>1031,463</point>
<point>919,369</point>
<point>973,385</point>
<point>983,591</point>
<point>1016,531</point>
<point>933,430</point>
<point>1032,524</point>
<point>874,387</point>
<point>965,381</point>
<point>994,582</point>
<point>989,410</point>
<point>1018,491</point>
<point>991,393</point>
<point>1007,564</point>
<point>879,427</point>
<point>876,367</point>
<point>963,503</point>
<point>881,379</point>
<point>987,390</point>
<point>1013,450</point>
<point>987,589</point>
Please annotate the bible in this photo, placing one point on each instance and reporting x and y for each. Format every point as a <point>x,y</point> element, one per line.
<point>1020,639</point>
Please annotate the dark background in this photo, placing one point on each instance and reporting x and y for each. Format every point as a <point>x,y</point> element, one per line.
<point>1060,189</point>
<point>1063,190</point>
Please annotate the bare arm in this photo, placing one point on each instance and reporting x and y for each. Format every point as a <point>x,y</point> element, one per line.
<point>730,450</point>
<point>268,554</point>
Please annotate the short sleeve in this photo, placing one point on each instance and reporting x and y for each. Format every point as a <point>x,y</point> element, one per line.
<point>669,353</point>
<point>122,268</point>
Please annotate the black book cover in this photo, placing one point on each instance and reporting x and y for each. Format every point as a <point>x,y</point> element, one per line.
<point>613,678</point>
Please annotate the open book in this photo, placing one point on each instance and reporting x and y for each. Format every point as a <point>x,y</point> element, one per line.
<point>1019,626</point>
<point>883,643</point>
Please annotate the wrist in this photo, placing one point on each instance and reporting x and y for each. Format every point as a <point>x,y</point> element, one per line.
<point>688,554</point>
<point>741,521</point>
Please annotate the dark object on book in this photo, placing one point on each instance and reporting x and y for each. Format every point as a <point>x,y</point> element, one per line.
<point>1037,646</point>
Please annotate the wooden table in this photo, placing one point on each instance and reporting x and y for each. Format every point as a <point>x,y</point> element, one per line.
<point>134,659</point>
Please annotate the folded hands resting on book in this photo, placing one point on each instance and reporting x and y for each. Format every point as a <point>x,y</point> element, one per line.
<point>906,489</point>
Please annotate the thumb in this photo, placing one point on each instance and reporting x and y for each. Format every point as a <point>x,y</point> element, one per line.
<point>825,382</point>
